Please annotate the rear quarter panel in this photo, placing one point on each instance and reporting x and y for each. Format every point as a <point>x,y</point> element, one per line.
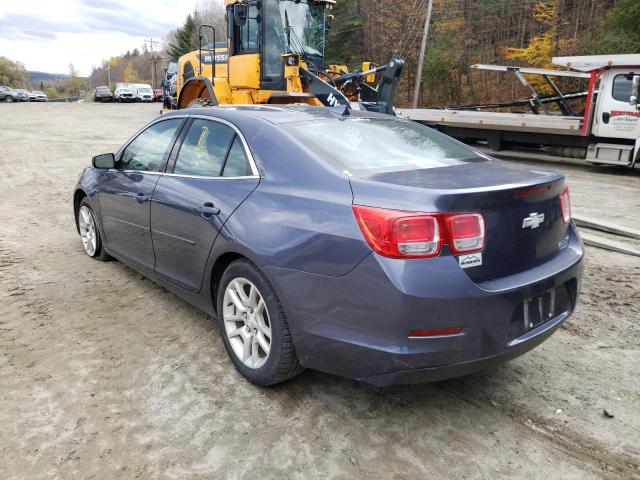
<point>300,216</point>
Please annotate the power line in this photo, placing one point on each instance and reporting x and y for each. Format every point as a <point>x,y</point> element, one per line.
<point>482,7</point>
<point>360,27</point>
<point>412,33</point>
<point>407,25</point>
<point>383,7</point>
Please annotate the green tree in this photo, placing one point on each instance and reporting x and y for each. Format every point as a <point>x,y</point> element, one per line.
<point>13,74</point>
<point>184,39</point>
<point>51,92</point>
<point>344,42</point>
<point>619,31</point>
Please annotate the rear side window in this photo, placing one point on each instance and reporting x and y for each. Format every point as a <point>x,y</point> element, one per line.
<point>237,164</point>
<point>146,153</point>
<point>204,149</point>
<point>367,145</point>
<point>622,88</point>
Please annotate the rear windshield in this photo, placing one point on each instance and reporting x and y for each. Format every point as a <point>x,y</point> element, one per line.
<point>367,145</point>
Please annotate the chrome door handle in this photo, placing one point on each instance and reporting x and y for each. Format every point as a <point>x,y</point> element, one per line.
<point>208,210</point>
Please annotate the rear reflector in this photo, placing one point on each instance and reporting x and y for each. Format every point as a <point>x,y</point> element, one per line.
<point>435,332</point>
<point>565,205</point>
<point>400,234</point>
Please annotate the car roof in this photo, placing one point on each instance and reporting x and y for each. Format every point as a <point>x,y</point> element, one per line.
<point>292,113</point>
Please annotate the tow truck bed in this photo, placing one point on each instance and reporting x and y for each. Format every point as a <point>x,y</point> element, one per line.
<point>517,122</point>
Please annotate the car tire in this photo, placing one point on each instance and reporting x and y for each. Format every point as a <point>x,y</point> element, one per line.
<point>239,327</point>
<point>90,232</point>
<point>8,99</point>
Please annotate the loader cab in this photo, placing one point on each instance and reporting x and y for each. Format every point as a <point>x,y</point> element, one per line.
<point>260,32</point>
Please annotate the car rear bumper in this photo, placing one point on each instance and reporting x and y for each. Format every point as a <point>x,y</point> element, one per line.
<point>358,325</point>
<point>443,372</point>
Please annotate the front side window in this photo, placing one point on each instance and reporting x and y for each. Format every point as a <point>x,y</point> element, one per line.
<point>622,88</point>
<point>204,149</point>
<point>146,153</point>
<point>300,24</point>
<point>367,146</point>
<point>248,33</point>
<point>188,71</point>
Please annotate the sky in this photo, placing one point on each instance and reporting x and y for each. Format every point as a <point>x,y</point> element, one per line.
<point>47,35</point>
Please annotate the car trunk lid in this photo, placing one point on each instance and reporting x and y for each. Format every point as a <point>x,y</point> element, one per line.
<point>521,208</point>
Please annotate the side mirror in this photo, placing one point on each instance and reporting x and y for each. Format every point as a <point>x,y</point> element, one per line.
<point>104,161</point>
<point>240,14</point>
<point>635,91</point>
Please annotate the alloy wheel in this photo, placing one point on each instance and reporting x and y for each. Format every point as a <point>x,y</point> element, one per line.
<point>88,231</point>
<point>246,322</point>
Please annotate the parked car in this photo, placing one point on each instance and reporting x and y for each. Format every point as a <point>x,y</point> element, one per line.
<point>102,94</point>
<point>8,94</point>
<point>157,95</point>
<point>143,92</point>
<point>23,95</point>
<point>353,243</point>
<point>124,93</point>
<point>38,96</point>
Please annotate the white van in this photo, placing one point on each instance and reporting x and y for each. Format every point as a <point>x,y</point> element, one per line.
<point>143,92</point>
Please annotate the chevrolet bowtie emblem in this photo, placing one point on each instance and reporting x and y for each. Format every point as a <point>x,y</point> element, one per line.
<point>534,220</point>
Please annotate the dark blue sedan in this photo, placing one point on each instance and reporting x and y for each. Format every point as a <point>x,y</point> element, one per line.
<point>353,243</point>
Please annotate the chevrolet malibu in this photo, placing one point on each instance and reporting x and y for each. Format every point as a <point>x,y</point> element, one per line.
<point>352,243</point>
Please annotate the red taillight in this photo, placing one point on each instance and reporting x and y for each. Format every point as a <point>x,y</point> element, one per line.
<point>466,232</point>
<point>565,205</point>
<point>400,234</point>
<point>435,332</point>
<point>397,234</point>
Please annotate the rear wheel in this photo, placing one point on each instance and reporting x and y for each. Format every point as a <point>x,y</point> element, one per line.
<point>253,326</point>
<point>90,233</point>
<point>8,99</point>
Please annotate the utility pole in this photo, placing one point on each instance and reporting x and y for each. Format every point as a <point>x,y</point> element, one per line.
<point>423,47</point>
<point>154,62</point>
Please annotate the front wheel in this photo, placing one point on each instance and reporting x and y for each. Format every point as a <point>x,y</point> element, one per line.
<point>254,329</point>
<point>90,233</point>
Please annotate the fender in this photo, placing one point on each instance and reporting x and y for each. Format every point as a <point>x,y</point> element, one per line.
<point>197,88</point>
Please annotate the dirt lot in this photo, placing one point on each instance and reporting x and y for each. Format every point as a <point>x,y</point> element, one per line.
<point>105,375</point>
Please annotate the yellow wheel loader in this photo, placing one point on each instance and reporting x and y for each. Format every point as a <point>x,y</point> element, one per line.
<point>274,54</point>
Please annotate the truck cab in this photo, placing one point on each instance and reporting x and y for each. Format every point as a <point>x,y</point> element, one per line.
<point>612,116</point>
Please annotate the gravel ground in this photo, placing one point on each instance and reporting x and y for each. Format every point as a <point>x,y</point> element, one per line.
<point>103,374</point>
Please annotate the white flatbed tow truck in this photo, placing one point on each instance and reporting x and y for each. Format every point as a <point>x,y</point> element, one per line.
<point>606,132</point>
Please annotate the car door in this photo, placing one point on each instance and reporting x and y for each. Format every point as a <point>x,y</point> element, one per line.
<point>208,178</point>
<point>126,191</point>
<point>615,117</point>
